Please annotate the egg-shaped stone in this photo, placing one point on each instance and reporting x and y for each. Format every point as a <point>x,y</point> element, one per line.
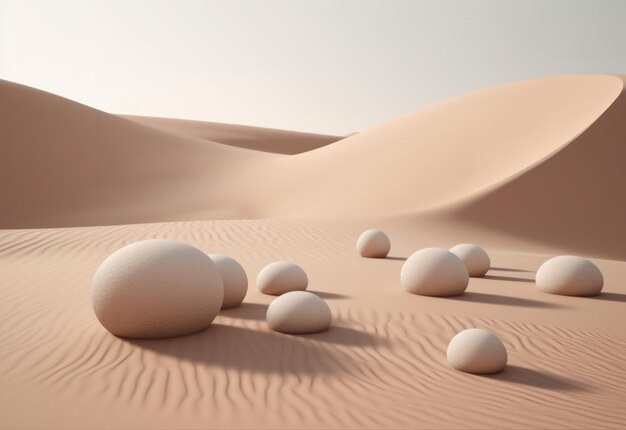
<point>434,272</point>
<point>234,278</point>
<point>157,288</point>
<point>477,350</point>
<point>373,244</point>
<point>281,277</point>
<point>569,275</point>
<point>476,259</point>
<point>298,312</point>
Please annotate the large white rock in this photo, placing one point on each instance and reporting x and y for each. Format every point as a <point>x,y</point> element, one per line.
<point>475,258</point>
<point>157,288</point>
<point>477,350</point>
<point>569,275</point>
<point>298,312</point>
<point>234,278</point>
<point>434,272</point>
<point>281,277</point>
<point>373,244</point>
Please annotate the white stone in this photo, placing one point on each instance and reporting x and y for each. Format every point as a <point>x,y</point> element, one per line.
<point>281,277</point>
<point>477,350</point>
<point>434,272</point>
<point>475,258</point>
<point>234,278</point>
<point>298,312</point>
<point>157,288</point>
<point>373,244</point>
<point>569,275</point>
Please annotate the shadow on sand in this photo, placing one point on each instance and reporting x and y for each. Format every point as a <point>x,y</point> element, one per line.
<point>538,379</point>
<point>328,296</point>
<point>509,269</point>
<point>494,299</point>
<point>394,258</point>
<point>609,297</point>
<point>508,278</point>
<point>246,311</point>
<point>261,350</point>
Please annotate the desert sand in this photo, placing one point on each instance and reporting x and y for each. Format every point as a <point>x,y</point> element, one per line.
<point>527,170</point>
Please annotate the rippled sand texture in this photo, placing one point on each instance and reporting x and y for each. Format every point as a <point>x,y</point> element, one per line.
<point>528,170</point>
<point>382,364</point>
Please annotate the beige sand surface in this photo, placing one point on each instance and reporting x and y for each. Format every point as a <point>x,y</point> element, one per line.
<point>383,364</point>
<point>527,170</point>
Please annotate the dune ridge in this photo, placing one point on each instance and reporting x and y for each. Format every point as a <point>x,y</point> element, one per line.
<point>242,136</point>
<point>572,198</point>
<point>63,163</point>
<point>464,146</point>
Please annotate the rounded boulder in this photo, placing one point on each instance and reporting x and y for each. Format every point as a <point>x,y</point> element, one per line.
<point>478,351</point>
<point>569,275</point>
<point>373,244</point>
<point>234,278</point>
<point>156,289</point>
<point>475,258</point>
<point>434,272</point>
<point>298,312</point>
<point>281,277</point>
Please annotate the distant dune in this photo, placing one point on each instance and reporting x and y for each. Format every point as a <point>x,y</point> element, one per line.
<point>66,164</point>
<point>540,159</point>
<point>242,136</point>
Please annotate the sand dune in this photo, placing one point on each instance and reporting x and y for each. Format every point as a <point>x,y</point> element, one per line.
<point>451,151</point>
<point>565,369</point>
<point>546,151</point>
<point>242,136</point>
<point>63,163</point>
<point>575,199</point>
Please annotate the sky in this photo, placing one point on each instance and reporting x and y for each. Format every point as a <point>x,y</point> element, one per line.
<point>326,66</point>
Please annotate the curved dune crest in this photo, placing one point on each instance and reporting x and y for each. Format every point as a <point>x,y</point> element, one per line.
<point>66,164</point>
<point>573,199</point>
<point>242,136</point>
<point>538,160</point>
<point>452,150</point>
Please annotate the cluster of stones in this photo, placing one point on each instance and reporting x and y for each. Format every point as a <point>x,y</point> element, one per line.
<point>165,288</point>
<point>441,273</point>
<point>295,310</point>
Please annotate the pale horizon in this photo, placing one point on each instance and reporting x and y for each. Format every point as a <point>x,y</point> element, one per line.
<point>296,65</point>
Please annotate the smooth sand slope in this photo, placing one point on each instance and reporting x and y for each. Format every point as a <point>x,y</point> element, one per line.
<point>382,364</point>
<point>455,150</point>
<point>242,136</point>
<point>63,163</point>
